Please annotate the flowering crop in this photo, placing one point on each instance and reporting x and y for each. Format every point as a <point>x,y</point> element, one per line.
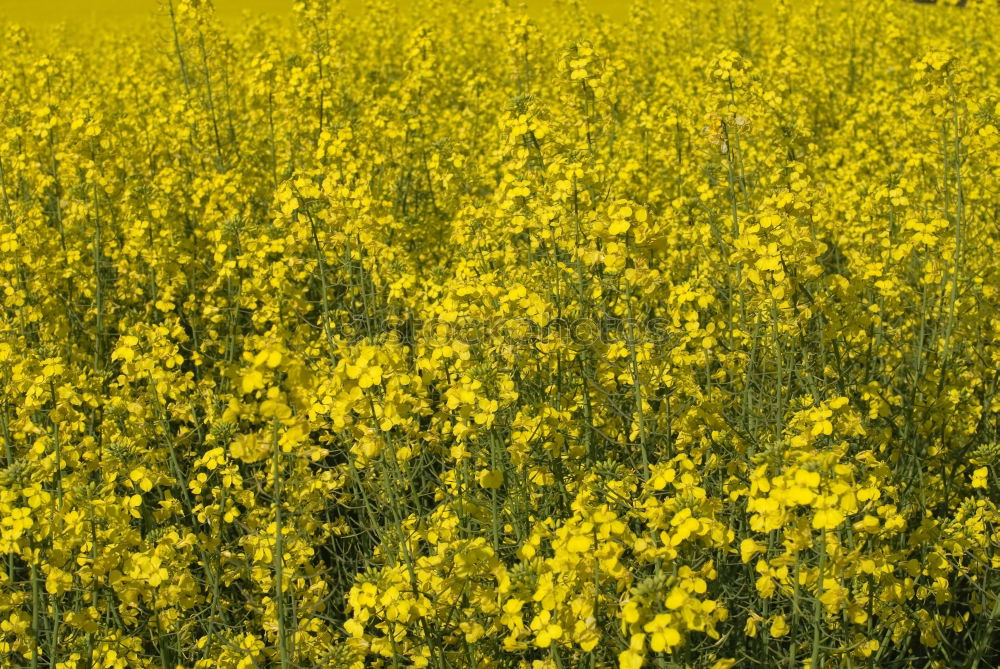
<point>449,336</point>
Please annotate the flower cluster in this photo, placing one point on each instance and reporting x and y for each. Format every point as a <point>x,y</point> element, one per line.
<point>736,404</point>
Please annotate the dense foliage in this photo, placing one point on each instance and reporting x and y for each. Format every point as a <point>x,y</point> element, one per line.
<point>453,337</point>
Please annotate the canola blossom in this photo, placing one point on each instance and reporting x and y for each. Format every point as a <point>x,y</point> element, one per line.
<point>456,335</point>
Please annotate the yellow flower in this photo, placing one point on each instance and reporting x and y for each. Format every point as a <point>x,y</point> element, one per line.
<point>779,627</point>
<point>633,657</point>
<point>490,478</point>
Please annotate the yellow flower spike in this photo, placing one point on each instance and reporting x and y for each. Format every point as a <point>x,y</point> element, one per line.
<point>676,599</point>
<point>724,663</point>
<point>779,627</point>
<point>619,226</point>
<point>634,656</point>
<point>132,504</point>
<point>252,380</point>
<point>490,479</point>
<point>827,519</point>
<point>58,581</point>
<point>549,633</point>
<point>141,477</point>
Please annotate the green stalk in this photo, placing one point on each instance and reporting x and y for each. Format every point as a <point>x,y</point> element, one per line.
<point>36,605</point>
<point>278,547</point>
<point>636,385</point>
<point>818,608</point>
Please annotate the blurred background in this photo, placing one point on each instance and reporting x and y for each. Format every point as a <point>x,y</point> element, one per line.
<point>41,12</point>
<point>54,11</point>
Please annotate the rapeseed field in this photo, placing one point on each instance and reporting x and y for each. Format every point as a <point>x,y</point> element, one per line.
<point>486,336</point>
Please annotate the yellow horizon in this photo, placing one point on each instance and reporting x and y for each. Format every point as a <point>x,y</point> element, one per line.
<point>52,12</point>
